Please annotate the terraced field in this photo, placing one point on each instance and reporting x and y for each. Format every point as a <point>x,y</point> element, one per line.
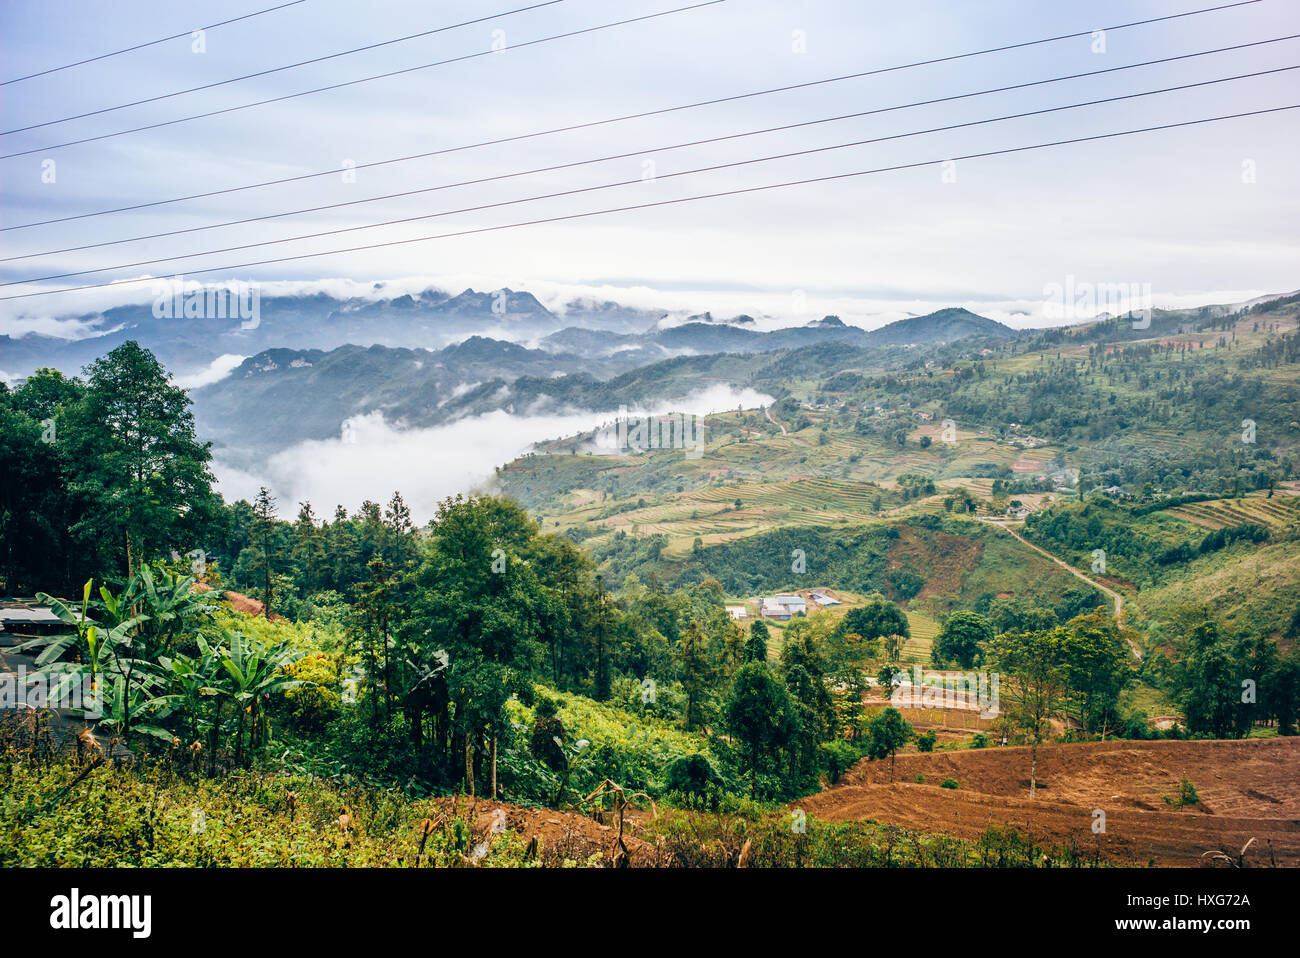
<point>710,514</point>
<point>1276,513</point>
<point>923,629</point>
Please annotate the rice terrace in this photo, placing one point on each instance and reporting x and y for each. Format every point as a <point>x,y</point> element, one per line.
<point>647,442</point>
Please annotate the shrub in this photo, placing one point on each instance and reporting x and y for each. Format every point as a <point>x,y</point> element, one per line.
<point>694,777</point>
<point>979,740</point>
<point>949,783</point>
<point>1186,795</point>
<point>311,706</point>
<point>925,741</point>
<point>837,757</point>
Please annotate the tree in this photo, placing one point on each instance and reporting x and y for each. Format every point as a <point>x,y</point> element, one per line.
<point>38,513</point>
<point>695,672</point>
<point>134,455</point>
<point>264,522</point>
<point>759,715</point>
<point>1208,682</point>
<point>756,647</point>
<point>1284,693</point>
<point>962,640</point>
<point>889,732</point>
<point>375,603</point>
<point>308,549</point>
<point>1096,667</point>
<point>815,713</point>
<point>474,629</point>
<point>1033,666</point>
<point>1017,613</point>
<point>397,517</point>
<point>879,619</point>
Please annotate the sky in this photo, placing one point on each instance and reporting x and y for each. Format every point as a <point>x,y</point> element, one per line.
<point>1198,214</point>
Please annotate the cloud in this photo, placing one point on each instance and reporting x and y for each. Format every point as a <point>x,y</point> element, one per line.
<point>217,370</point>
<point>53,327</point>
<point>373,457</point>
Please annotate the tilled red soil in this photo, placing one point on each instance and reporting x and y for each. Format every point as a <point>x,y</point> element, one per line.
<point>1248,789</point>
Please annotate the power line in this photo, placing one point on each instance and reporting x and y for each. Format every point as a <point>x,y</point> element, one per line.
<point>377,76</point>
<point>663,148</point>
<point>149,43</point>
<point>291,66</point>
<point>658,203</point>
<point>675,146</point>
<point>605,186</point>
<point>610,120</point>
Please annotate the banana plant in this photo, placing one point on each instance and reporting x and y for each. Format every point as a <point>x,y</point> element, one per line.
<point>254,670</point>
<point>170,605</point>
<point>192,680</point>
<point>130,702</point>
<point>101,653</point>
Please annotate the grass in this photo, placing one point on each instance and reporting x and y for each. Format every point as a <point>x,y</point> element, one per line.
<point>1249,587</point>
<point>153,817</point>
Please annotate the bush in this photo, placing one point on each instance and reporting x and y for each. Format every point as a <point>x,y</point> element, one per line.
<point>949,783</point>
<point>1186,795</point>
<point>925,741</point>
<point>694,777</point>
<point>312,705</point>
<point>837,757</point>
<point>979,740</point>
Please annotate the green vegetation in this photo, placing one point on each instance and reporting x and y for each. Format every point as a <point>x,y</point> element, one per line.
<point>286,673</point>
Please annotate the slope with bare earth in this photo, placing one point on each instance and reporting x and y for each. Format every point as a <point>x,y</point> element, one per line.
<point>1248,789</point>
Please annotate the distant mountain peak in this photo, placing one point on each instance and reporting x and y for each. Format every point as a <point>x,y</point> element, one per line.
<point>942,326</point>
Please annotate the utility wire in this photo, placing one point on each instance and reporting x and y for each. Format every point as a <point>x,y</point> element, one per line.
<point>664,149</point>
<point>658,203</point>
<point>595,123</point>
<point>290,66</point>
<point>377,76</point>
<point>605,186</point>
<point>149,43</point>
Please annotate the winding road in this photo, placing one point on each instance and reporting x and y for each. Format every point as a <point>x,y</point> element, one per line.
<point>1119,599</point>
<point>767,411</point>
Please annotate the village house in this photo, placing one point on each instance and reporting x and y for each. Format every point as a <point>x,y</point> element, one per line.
<point>782,607</point>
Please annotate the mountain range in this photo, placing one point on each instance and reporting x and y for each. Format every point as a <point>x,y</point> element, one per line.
<point>434,319</point>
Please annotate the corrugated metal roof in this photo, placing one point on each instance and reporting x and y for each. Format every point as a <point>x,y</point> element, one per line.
<point>29,616</point>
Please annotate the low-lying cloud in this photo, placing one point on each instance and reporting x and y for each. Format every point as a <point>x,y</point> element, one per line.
<point>373,457</point>
<point>214,372</point>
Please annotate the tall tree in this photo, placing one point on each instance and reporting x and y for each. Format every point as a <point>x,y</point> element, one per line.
<point>695,672</point>
<point>1209,683</point>
<point>308,549</point>
<point>889,732</point>
<point>962,640</point>
<point>759,715</point>
<point>1096,666</point>
<point>135,456</point>
<point>1033,667</point>
<point>756,647</point>
<point>879,619</point>
<point>264,523</point>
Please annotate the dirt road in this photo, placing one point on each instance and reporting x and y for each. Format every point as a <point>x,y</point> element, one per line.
<point>1119,599</point>
<point>767,411</point>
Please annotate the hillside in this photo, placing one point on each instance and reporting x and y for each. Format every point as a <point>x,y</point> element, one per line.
<point>1248,790</point>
